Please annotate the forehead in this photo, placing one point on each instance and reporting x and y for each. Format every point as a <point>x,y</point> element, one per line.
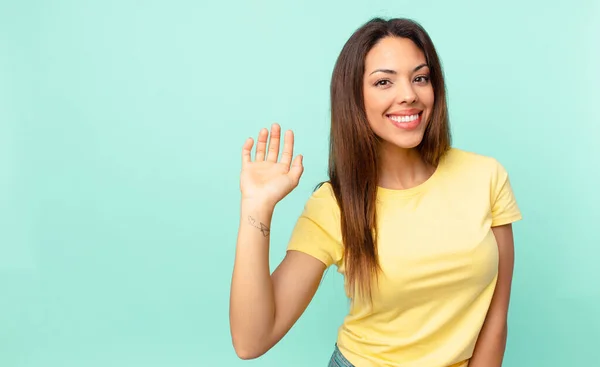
<point>394,53</point>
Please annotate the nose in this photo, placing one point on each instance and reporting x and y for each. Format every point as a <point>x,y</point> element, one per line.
<point>406,94</point>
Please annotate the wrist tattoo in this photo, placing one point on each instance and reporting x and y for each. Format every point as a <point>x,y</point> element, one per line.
<point>264,229</point>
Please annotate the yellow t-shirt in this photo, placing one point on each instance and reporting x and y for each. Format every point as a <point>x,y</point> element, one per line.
<point>439,261</point>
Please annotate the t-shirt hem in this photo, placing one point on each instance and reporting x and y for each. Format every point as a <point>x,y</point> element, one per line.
<point>322,258</point>
<point>506,220</point>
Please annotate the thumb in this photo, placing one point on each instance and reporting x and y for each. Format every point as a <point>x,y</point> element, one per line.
<point>296,169</point>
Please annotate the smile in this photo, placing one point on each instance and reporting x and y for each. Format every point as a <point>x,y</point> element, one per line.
<point>406,122</point>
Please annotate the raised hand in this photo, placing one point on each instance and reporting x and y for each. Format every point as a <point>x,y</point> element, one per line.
<point>266,180</point>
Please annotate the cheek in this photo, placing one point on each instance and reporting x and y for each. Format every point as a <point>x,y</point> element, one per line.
<point>427,98</point>
<point>377,103</point>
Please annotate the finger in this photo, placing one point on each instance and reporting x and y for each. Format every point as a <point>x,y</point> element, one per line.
<point>288,148</point>
<point>296,170</point>
<point>246,150</point>
<point>261,145</point>
<point>274,143</point>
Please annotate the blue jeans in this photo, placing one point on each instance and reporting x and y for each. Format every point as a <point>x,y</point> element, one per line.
<point>338,360</point>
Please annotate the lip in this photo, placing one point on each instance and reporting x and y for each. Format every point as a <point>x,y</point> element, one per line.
<point>407,125</point>
<point>412,111</point>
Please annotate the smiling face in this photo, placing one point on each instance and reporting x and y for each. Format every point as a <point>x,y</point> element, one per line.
<point>397,91</point>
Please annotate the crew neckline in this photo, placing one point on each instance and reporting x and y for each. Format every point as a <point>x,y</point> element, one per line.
<point>386,192</point>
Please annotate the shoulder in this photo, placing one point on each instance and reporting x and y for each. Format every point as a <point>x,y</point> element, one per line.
<point>317,231</point>
<point>473,164</point>
<point>322,202</point>
<point>468,159</point>
<point>323,191</point>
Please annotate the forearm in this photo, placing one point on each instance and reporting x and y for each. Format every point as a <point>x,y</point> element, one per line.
<point>252,304</point>
<point>491,345</point>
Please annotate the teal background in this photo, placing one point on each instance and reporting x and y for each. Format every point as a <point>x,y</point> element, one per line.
<point>121,124</point>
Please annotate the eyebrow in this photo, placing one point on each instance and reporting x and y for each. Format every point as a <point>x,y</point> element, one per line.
<point>390,71</point>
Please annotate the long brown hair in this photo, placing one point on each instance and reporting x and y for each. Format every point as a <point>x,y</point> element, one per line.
<point>353,150</point>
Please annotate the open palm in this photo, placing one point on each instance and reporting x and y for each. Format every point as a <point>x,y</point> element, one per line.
<point>265,179</point>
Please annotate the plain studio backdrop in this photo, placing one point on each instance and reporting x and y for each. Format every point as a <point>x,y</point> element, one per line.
<point>121,126</point>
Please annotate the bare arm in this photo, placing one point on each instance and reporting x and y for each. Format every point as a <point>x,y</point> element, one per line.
<point>264,306</point>
<point>491,343</point>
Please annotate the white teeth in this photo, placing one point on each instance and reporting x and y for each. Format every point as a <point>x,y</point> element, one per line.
<point>404,118</point>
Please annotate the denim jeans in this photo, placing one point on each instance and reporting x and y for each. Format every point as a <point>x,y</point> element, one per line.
<point>338,360</point>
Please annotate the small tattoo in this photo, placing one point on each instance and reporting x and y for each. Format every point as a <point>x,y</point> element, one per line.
<point>264,229</point>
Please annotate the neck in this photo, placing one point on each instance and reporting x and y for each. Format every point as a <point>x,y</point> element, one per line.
<point>401,169</point>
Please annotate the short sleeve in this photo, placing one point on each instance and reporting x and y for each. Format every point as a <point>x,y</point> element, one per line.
<point>504,206</point>
<point>317,230</point>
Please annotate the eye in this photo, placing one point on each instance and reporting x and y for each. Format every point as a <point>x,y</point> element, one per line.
<point>383,83</point>
<point>422,79</point>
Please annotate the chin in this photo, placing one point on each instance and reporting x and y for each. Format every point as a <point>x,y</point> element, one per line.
<point>404,142</point>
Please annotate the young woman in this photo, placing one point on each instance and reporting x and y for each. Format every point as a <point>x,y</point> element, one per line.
<point>420,230</point>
